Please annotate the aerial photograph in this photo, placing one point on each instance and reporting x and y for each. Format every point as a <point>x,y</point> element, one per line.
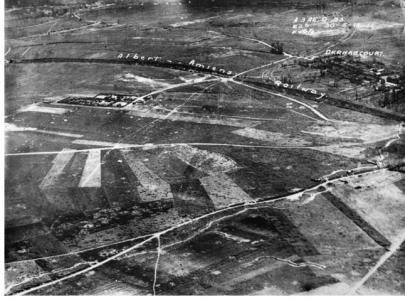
<point>204,147</point>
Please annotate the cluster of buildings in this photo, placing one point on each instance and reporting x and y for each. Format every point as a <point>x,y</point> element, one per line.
<point>346,78</point>
<point>351,68</point>
<point>101,100</point>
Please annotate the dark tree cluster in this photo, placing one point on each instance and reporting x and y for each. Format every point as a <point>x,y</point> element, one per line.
<point>278,48</point>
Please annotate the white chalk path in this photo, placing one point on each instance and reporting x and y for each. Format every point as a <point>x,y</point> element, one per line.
<point>252,39</point>
<point>50,32</point>
<point>103,144</point>
<point>157,235</point>
<point>316,112</point>
<point>182,117</point>
<point>152,187</point>
<point>58,165</point>
<point>91,176</point>
<point>18,273</point>
<point>14,128</point>
<point>26,51</point>
<point>111,146</point>
<point>393,249</point>
<point>278,138</point>
<point>290,56</point>
<point>170,87</point>
<point>43,109</point>
<point>226,116</point>
<point>260,67</point>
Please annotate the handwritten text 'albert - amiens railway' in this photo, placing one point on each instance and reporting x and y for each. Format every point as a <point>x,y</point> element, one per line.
<point>192,65</point>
